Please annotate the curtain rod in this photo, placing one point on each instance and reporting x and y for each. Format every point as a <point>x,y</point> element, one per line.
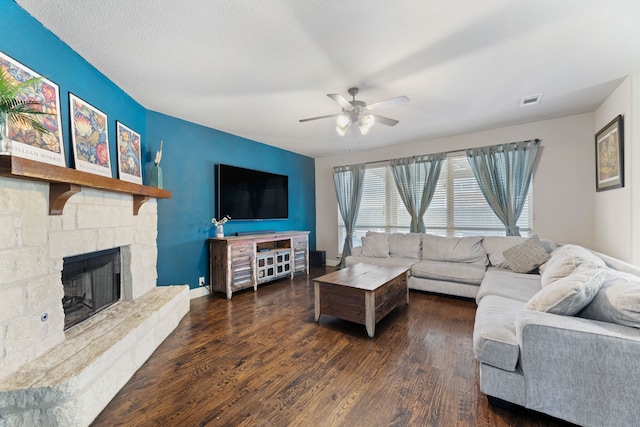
<point>460,150</point>
<point>441,152</point>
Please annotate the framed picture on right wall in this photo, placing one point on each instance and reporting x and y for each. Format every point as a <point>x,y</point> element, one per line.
<point>610,155</point>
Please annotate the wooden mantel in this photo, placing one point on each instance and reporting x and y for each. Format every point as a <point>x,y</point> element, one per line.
<point>65,182</point>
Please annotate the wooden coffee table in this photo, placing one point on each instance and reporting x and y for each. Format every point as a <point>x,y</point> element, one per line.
<point>362,293</point>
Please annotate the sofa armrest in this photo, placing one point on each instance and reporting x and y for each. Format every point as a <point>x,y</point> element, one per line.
<point>357,251</point>
<point>578,369</point>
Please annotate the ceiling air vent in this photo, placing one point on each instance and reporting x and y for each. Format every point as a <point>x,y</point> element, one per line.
<point>525,101</point>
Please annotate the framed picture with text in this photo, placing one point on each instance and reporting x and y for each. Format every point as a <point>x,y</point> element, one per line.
<point>129,165</point>
<point>90,137</point>
<point>610,155</point>
<point>27,142</point>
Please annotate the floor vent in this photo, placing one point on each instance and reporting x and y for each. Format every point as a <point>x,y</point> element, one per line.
<point>530,100</point>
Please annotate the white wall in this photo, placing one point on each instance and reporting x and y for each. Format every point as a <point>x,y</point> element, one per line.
<point>633,138</point>
<point>614,222</point>
<point>563,184</point>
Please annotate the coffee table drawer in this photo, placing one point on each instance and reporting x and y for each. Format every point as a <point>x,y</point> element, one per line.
<point>390,296</point>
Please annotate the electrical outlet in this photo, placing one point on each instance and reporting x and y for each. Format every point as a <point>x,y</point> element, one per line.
<point>201,281</point>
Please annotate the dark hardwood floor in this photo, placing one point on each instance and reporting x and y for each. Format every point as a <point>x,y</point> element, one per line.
<point>261,360</point>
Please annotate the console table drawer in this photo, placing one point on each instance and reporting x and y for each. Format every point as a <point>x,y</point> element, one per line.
<point>300,244</point>
<point>239,250</point>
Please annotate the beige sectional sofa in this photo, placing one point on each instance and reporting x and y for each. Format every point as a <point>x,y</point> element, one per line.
<point>563,339</point>
<point>452,266</point>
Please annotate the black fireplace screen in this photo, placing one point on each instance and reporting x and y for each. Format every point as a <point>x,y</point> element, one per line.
<point>91,283</point>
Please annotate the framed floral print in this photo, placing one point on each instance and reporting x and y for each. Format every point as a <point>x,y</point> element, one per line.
<point>26,142</point>
<point>129,164</point>
<point>90,137</point>
<point>610,156</point>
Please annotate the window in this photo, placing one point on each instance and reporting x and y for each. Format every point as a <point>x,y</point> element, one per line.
<point>458,207</point>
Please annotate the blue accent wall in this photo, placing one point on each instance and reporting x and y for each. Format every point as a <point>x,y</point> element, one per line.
<point>189,154</point>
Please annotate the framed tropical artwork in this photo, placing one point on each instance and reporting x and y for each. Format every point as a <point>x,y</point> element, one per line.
<point>90,137</point>
<point>610,156</point>
<point>129,165</point>
<point>26,142</point>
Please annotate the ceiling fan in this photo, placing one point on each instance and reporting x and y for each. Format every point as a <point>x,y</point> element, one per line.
<point>359,112</point>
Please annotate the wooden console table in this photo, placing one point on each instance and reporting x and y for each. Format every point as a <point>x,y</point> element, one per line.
<point>240,262</point>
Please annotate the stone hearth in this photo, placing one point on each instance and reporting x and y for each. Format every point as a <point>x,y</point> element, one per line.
<point>47,376</point>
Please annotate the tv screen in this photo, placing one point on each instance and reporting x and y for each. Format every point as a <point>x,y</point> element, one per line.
<point>251,194</point>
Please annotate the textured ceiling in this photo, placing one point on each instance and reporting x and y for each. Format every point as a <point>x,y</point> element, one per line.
<point>253,68</point>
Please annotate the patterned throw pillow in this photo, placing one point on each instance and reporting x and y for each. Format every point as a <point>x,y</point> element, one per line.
<point>527,256</point>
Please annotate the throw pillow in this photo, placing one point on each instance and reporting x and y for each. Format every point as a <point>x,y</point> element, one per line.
<point>496,245</point>
<point>375,246</point>
<point>527,256</point>
<point>617,301</point>
<point>564,261</point>
<point>569,295</point>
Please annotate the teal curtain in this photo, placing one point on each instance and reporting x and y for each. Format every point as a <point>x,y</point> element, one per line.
<point>503,173</point>
<point>348,181</point>
<point>416,180</point>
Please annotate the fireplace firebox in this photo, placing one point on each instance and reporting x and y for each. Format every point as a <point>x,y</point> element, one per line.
<point>91,283</point>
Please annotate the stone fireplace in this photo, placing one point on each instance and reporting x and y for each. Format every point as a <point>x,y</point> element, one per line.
<point>49,376</point>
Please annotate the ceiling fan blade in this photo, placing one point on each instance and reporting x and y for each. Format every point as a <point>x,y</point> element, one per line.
<point>317,118</point>
<point>385,120</point>
<point>388,103</point>
<point>341,101</point>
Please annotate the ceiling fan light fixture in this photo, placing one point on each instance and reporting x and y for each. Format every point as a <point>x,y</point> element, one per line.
<point>365,123</point>
<point>343,121</point>
<point>341,130</point>
<point>357,112</point>
<point>367,120</point>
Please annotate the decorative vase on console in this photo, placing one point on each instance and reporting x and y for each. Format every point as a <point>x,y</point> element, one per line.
<point>219,226</point>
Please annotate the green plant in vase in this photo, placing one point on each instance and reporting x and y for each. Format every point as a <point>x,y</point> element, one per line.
<point>17,109</point>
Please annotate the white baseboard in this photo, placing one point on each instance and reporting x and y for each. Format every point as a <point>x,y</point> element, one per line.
<point>198,292</point>
<point>331,263</point>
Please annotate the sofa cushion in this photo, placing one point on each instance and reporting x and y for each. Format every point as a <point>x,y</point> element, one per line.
<point>508,284</point>
<point>404,245</point>
<point>564,261</point>
<point>569,295</point>
<point>453,249</point>
<point>378,233</point>
<point>376,246</point>
<point>494,332</point>
<point>392,262</point>
<point>449,271</point>
<point>496,245</point>
<point>617,301</point>
<point>526,256</point>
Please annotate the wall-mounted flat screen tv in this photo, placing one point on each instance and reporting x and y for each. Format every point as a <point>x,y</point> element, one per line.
<point>247,194</point>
